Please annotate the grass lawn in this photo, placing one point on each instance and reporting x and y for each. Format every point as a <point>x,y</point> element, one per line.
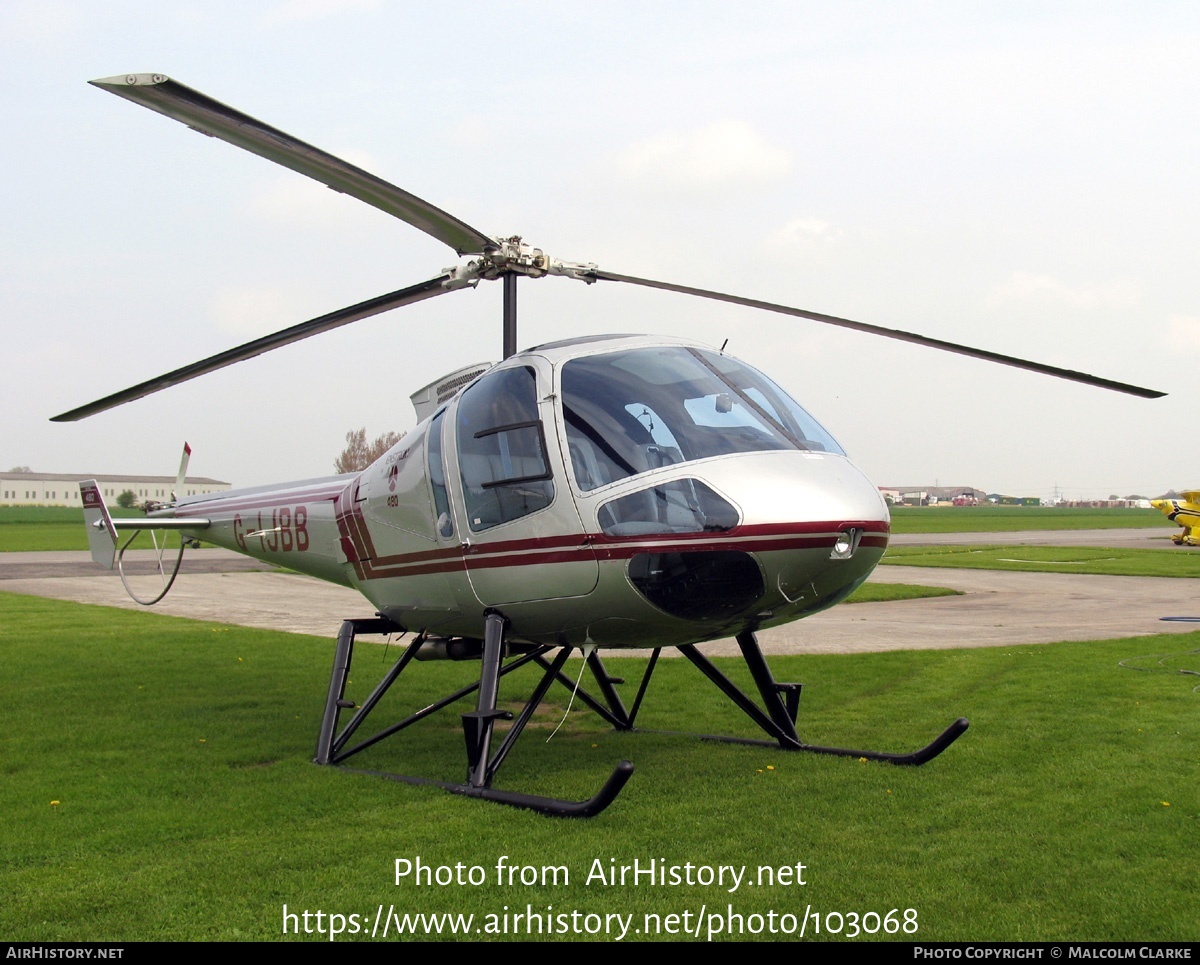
<point>40,528</point>
<point>988,519</point>
<point>1110,561</point>
<point>887,592</point>
<point>157,785</point>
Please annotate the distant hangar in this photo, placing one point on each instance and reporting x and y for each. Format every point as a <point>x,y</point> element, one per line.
<point>62,488</point>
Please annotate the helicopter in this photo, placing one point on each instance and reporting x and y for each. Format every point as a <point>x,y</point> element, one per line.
<point>616,492</point>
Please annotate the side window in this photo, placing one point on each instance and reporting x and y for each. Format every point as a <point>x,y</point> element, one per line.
<point>437,479</point>
<point>502,449</point>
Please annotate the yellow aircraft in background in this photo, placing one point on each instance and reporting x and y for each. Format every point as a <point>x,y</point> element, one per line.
<point>1186,512</point>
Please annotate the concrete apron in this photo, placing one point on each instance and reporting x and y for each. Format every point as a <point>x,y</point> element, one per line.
<point>998,608</point>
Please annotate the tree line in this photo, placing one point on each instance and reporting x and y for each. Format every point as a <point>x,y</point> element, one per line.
<point>359,453</point>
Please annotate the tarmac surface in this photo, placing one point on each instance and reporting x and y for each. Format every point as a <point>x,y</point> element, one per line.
<point>1153,537</point>
<point>996,609</point>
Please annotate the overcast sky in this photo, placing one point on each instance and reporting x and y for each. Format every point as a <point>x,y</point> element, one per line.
<point>1016,176</point>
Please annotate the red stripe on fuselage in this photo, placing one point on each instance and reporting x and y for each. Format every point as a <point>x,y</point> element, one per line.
<point>343,512</point>
<point>580,548</point>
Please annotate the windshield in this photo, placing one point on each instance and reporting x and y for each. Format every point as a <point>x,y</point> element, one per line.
<point>629,412</point>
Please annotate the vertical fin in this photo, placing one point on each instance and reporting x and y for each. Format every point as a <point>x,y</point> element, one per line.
<point>101,533</point>
<point>183,464</point>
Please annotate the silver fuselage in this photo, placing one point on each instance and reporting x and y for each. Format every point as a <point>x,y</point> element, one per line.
<point>626,492</point>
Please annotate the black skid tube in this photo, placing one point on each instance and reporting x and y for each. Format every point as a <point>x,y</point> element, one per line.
<point>551,806</point>
<point>915,758</point>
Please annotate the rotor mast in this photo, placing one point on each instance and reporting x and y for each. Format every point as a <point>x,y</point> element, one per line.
<point>507,259</point>
<point>510,314</point>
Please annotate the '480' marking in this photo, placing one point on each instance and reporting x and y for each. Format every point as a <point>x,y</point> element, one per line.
<point>284,532</point>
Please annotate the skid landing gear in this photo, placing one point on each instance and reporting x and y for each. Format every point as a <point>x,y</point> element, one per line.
<point>778,720</point>
<point>478,725</point>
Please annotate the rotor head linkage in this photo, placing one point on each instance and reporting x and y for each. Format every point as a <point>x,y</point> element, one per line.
<point>511,256</point>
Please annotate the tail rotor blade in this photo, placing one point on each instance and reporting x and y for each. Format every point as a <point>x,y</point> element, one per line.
<point>895,333</point>
<point>183,465</point>
<point>314,326</point>
<point>199,111</point>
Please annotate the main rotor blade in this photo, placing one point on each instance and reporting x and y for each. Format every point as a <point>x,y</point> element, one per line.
<point>888,333</point>
<point>314,326</point>
<point>159,93</point>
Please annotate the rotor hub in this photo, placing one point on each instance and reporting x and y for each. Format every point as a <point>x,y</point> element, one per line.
<point>511,256</point>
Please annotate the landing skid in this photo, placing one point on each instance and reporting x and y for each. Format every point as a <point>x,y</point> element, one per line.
<point>532,802</point>
<point>776,717</point>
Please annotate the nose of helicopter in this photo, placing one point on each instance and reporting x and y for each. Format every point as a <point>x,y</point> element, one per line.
<point>812,527</point>
<point>824,528</point>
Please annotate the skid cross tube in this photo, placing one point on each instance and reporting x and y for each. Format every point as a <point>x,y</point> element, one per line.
<point>329,748</point>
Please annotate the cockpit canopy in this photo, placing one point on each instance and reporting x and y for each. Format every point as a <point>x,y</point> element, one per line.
<point>633,411</point>
<point>624,413</point>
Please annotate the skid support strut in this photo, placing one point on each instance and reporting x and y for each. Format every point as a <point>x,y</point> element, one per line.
<point>478,725</point>
<point>609,705</point>
<point>782,702</point>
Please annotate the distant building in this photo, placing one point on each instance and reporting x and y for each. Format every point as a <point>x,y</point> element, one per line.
<point>930,495</point>
<point>1000,499</point>
<point>1133,502</point>
<point>62,488</point>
